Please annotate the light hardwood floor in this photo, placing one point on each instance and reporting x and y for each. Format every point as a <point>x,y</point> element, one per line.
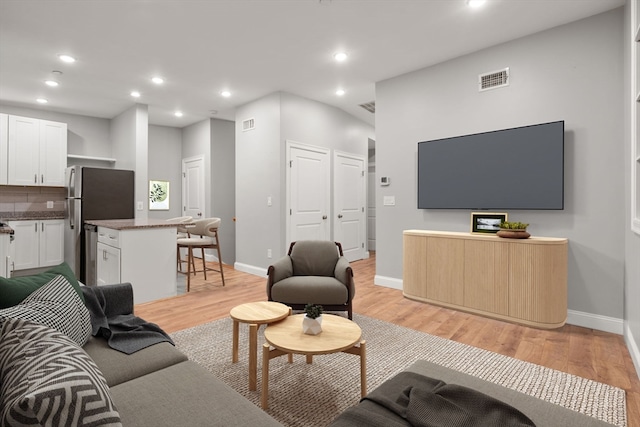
<point>592,354</point>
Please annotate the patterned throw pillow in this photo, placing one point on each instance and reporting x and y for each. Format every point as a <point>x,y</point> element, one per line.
<point>56,305</point>
<point>47,380</point>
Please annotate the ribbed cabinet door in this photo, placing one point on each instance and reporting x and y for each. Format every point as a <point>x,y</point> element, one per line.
<point>445,270</point>
<point>414,266</point>
<point>538,282</point>
<point>486,276</point>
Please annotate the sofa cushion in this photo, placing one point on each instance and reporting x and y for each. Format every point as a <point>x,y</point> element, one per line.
<point>56,305</point>
<point>185,394</point>
<point>118,367</point>
<point>46,379</point>
<point>16,289</point>
<point>310,289</point>
<point>542,413</point>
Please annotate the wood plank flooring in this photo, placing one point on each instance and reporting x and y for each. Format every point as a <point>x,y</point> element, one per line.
<point>592,354</point>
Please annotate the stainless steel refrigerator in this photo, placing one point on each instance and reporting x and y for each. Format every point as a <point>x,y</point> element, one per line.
<point>93,193</point>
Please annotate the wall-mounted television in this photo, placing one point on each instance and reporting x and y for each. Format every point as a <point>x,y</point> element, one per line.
<point>518,168</point>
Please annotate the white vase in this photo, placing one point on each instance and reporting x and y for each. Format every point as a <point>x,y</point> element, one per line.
<point>311,326</point>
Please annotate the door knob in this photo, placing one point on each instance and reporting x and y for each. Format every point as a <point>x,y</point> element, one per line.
<point>339,215</point>
<point>324,217</point>
<point>199,213</point>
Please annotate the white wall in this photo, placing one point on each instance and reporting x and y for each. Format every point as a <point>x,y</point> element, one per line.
<point>260,166</point>
<point>165,163</point>
<point>223,188</point>
<point>632,240</point>
<point>572,73</point>
<point>129,142</point>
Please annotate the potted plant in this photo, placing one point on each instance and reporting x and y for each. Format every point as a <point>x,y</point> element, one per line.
<point>312,321</point>
<point>513,230</point>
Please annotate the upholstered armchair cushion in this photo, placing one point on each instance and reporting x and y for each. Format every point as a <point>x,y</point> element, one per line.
<point>314,258</point>
<point>310,289</point>
<point>314,271</point>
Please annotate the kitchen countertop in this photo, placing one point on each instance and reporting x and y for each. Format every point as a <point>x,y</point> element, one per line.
<point>30,215</point>
<point>132,224</point>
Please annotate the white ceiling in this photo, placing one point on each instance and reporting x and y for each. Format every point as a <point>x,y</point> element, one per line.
<point>251,47</point>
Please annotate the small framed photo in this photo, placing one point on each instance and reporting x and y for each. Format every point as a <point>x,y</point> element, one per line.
<point>159,195</point>
<point>487,222</point>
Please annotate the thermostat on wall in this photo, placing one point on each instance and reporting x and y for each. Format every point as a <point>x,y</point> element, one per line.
<point>385,180</point>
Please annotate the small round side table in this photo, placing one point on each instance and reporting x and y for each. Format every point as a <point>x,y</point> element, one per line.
<point>255,314</point>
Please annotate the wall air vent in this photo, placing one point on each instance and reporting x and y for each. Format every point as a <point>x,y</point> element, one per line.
<point>369,106</point>
<point>248,124</point>
<point>494,79</point>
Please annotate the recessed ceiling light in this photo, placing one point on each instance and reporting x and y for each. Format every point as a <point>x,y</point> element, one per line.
<point>178,114</point>
<point>135,94</point>
<point>340,56</point>
<point>475,3</point>
<point>51,83</point>
<point>225,93</point>
<point>340,92</point>
<point>157,80</point>
<point>42,100</point>
<point>66,58</point>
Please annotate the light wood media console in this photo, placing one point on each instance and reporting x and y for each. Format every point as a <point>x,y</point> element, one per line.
<point>517,280</point>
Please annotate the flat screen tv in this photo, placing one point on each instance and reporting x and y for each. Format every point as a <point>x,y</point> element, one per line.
<point>519,168</point>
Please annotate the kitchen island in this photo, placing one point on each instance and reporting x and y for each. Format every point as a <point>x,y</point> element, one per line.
<point>139,251</point>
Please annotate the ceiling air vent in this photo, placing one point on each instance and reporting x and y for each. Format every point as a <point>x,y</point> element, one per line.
<point>248,124</point>
<point>494,79</point>
<point>369,106</point>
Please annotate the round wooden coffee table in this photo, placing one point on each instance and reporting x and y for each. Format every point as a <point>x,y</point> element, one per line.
<point>255,314</point>
<point>338,335</point>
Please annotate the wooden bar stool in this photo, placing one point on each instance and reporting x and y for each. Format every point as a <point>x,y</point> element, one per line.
<point>203,235</point>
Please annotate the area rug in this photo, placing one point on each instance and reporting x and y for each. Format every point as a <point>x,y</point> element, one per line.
<point>302,395</point>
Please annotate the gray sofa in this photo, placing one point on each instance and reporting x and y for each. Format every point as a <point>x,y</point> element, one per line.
<point>57,369</point>
<point>543,414</point>
<point>159,386</point>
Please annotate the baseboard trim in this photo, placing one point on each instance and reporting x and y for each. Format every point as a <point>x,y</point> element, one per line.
<point>387,282</point>
<point>632,345</point>
<point>578,318</point>
<point>595,321</point>
<point>250,269</point>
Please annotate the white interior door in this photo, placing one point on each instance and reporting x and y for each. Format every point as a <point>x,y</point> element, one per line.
<point>193,187</point>
<point>349,201</point>
<point>308,192</point>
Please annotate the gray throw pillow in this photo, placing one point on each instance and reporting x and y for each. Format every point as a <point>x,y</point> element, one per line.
<point>47,380</point>
<point>56,305</point>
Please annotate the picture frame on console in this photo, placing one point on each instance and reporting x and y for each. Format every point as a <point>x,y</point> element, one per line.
<point>487,222</point>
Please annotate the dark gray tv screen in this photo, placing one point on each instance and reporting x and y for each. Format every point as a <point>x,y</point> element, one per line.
<point>519,168</point>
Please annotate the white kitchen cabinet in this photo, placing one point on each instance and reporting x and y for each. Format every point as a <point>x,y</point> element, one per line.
<point>144,257</point>
<point>36,152</point>
<point>4,150</point>
<point>107,264</point>
<point>5,258</point>
<point>38,243</point>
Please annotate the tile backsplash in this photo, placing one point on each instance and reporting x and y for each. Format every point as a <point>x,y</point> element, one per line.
<point>17,201</point>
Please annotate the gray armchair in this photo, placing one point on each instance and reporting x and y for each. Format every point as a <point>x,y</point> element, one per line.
<point>314,271</point>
